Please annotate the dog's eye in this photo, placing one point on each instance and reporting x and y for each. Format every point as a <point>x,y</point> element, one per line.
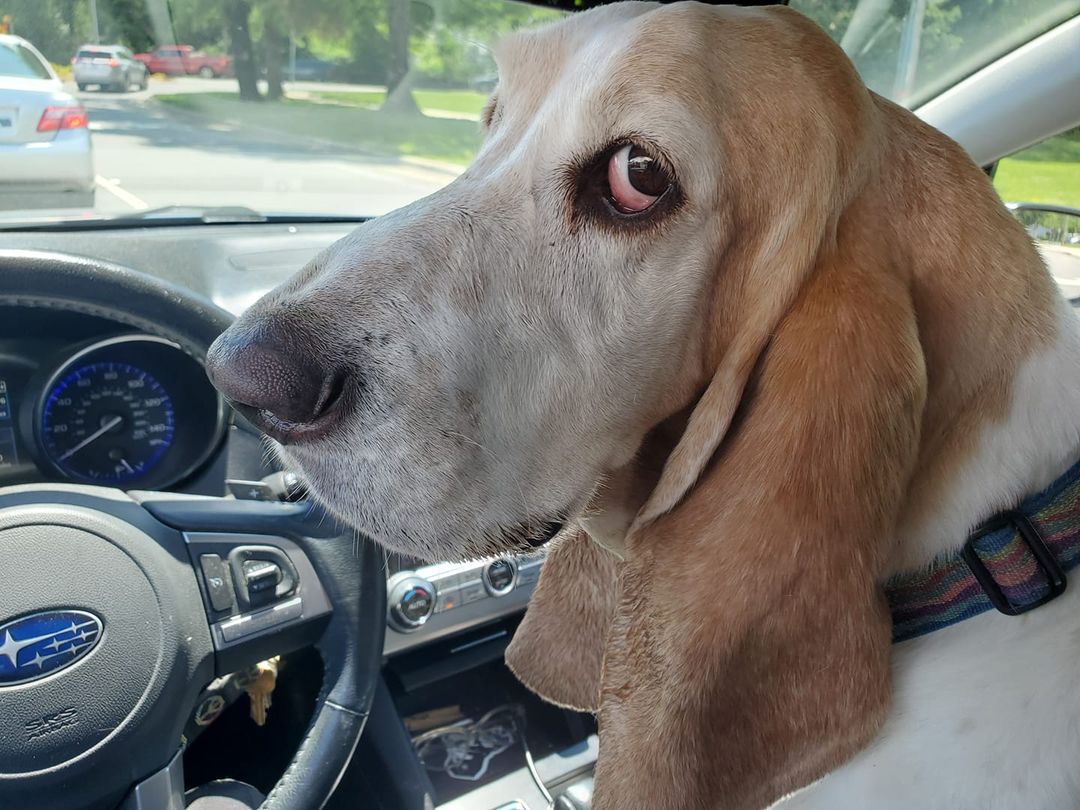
<point>636,179</point>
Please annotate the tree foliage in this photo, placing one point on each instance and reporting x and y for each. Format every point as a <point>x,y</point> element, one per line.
<point>957,36</point>
<point>447,42</point>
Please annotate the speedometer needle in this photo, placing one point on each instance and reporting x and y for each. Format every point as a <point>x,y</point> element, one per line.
<point>101,431</point>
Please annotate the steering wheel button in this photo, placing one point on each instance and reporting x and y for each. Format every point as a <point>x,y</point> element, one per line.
<point>251,623</point>
<point>261,576</point>
<point>219,585</point>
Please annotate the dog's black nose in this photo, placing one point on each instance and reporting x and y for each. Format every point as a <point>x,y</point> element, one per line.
<point>275,379</point>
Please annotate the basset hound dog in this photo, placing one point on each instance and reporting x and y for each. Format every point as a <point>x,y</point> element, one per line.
<point>763,353</point>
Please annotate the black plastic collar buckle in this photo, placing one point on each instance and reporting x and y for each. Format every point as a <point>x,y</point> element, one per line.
<point>1055,575</point>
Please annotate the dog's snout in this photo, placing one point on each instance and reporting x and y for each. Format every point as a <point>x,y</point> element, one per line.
<point>274,378</point>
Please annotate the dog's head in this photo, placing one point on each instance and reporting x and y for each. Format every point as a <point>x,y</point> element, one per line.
<point>464,374</point>
<point>709,300</point>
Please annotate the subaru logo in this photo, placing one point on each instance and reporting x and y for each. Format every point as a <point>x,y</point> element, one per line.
<point>38,645</point>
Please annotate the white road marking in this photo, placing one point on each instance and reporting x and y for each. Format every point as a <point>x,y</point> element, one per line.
<point>121,194</point>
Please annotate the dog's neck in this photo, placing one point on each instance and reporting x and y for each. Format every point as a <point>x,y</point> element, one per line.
<point>969,473</point>
<point>1002,356</point>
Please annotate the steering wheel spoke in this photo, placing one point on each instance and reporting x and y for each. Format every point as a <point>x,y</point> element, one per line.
<point>161,790</point>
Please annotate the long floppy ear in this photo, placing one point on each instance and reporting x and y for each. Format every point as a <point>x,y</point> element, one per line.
<point>558,649</point>
<point>749,653</point>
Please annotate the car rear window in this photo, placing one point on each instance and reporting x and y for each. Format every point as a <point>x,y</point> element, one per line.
<point>88,54</point>
<point>19,61</point>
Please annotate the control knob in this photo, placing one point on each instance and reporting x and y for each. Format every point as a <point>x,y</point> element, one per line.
<point>412,601</point>
<point>499,577</point>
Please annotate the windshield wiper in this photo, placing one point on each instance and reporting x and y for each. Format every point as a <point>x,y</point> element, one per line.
<point>174,216</point>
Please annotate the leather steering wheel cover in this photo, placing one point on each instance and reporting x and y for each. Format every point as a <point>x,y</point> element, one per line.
<point>351,573</point>
<point>48,280</point>
<point>351,649</point>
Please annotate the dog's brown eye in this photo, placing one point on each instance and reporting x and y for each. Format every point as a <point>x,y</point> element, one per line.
<point>636,179</point>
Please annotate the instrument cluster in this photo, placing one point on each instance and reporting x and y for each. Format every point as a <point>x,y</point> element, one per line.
<point>133,411</point>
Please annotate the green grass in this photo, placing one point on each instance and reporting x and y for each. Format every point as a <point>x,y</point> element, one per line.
<point>390,134</point>
<point>460,101</point>
<point>352,99</point>
<point>1049,182</point>
<point>1048,172</point>
<point>192,101</point>
<point>457,101</point>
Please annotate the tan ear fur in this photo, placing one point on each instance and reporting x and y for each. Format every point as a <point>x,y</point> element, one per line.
<point>777,217</point>
<point>749,653</point>
<point>558,648</point>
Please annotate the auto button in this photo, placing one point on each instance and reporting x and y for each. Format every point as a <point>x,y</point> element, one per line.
<point>411,603</point>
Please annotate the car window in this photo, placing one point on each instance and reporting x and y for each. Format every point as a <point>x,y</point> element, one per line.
<point>365,108</point>
<point>19,61</point>
<point>911,50</point>
<point>86,53</point>
<point>1048,172</point>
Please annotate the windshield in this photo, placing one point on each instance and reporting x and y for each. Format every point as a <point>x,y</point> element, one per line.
<point>912,50</point>
<point>356,107</point>
<point>19,62</point>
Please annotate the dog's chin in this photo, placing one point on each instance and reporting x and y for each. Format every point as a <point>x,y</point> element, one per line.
<point>457,542</point>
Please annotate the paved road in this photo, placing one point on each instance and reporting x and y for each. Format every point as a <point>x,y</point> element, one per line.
<point>1064,263</point>
<point>147,155</point>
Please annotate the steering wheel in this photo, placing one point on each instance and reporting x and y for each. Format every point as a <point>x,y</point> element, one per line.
<point>116,609</point>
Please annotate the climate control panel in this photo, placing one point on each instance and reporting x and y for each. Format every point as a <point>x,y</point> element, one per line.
<point>436,600</point>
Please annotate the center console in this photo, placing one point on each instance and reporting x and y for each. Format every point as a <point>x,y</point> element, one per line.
<point>430,602</point>
<point>451,728</point>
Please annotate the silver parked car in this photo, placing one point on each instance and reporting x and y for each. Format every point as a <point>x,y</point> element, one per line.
<point>110,67</point>
<point>45,156</point>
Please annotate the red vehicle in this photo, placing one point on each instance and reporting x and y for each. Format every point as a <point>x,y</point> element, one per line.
<point>182,60</point>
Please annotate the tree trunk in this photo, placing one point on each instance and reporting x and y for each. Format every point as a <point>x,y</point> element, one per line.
<point>238,19</point>
<point>398,84</point>
<point>275,46</point>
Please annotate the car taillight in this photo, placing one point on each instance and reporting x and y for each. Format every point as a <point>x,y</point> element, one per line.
<point>114,63</point>
<point>67,117</point>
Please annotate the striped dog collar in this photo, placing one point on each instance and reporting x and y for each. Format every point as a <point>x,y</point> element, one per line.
<point>1013,563</point>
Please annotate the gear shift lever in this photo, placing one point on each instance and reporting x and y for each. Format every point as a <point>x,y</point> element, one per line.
<point>578,796</point>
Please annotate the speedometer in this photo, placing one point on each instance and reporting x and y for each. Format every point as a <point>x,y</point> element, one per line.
<point>107,422</point>
<point>131,411</point>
